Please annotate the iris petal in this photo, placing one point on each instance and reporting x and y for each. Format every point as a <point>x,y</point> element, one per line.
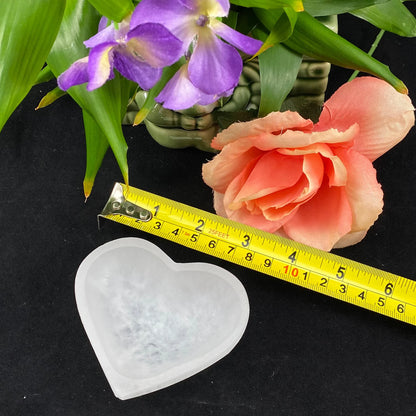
<point>105,35</point>
<point>245,43</point>
<point>190,4</point>
<point>179,93</point>
<point>135,70</point>
<point>154,43</point>
<point>219,8</point>
<point>171,14</point>
<point>102,24</point>
<point>158,11</point>
<point>100,65</point>
<point>212,8</point>
<point>214,67</point>
<point>76,74</point>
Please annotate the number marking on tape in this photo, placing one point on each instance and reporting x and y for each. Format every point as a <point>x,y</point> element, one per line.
<point>322,272</point>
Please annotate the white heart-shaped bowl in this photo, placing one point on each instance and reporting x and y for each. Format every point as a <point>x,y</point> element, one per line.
<point>153,322</point>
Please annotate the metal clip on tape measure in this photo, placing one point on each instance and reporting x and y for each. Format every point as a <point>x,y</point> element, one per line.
<point>323,272</point>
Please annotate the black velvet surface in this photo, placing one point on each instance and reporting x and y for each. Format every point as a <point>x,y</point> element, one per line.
<point>302,353</point>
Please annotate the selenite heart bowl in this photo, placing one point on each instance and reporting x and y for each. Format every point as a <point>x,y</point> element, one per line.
<point>153,322</point>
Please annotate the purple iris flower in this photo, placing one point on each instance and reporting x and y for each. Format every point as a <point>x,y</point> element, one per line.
<point>179,93</point>
<point>214,66</point>
<point>138,52</point>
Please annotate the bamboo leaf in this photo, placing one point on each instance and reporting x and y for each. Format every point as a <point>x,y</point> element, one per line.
<point>107,104</point>
<point>50,97</point>
<point>282,29</point>
<point>392,16</point>
<point>150,102</point>
<point>44,75</point>
<point>96,147</point>
<point>370,52</point>
<point>296,5</point>
<point>246,22</point>
<point>115,10</point>
<point>279,67</point>
<point>328,7</point>
<point>27,31</point>
<point>312,38</point>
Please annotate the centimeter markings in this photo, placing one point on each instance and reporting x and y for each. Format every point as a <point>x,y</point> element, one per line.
<point>323,272</point>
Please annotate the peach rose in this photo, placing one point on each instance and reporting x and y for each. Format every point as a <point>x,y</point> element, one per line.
<point>313,183</point>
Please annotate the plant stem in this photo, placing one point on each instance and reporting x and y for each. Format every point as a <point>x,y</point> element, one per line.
<point>370,52</point>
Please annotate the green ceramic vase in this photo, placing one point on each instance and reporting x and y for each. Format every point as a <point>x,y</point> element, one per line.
<point>197,126</point>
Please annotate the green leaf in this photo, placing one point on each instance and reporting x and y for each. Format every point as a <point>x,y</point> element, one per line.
<point>50,97</point>
<point>232,19</point>
<point>115,10</point>
<point>282,29</point>
<point>312,38</point>
<point>247,21</point>
<point>96,146</point>
<point>328,7</point>
<point>296,5</point>
<point>107,104</point>
<point>44,75</point>
<point>370,52</point>
<point>392,16</point>
<point>27,31</point>
<point>149,103</point>
<point>279,67</point>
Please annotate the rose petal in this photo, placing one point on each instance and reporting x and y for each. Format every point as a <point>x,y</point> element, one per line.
<point>214,66</point>
<point>350,239</point>
<point>276,206</point>
<point>288,139</point>
<point>242,215</point>
<point>245,43</point>
<point>243,212</point>
<point>219,204</point>
<point>248,211</point>
<point>292,139</point>
<point>231,202</point>
<point>334,168</point>
<point>305,189</point>
<point>323,220</point>
<point>273,172</point>
<point>313,169</point>
<point>219,172</point>
<point>273,122</point>
<point>364,194</point>
<point>76,74</point>
<point>384,115</point>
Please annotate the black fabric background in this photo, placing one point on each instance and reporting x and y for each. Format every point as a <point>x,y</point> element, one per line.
<point>302,353</point>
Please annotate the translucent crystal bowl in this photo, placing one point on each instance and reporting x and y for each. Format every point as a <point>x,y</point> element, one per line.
<point>153,322</point>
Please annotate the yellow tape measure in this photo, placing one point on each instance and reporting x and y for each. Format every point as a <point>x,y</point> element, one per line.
<point>323,272</point>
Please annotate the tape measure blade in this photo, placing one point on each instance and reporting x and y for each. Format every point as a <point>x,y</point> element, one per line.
<point>326,273</point>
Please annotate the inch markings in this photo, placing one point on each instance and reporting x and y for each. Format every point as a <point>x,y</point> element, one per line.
<point>322,272</point>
